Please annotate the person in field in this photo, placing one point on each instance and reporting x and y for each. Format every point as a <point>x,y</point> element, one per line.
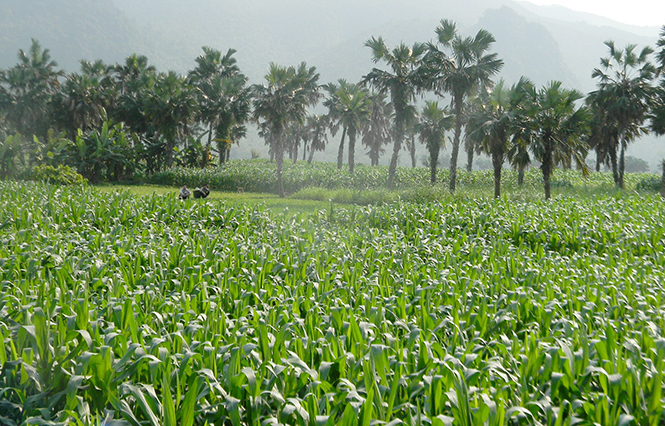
<point>202,192</point>
<point>184,193</point>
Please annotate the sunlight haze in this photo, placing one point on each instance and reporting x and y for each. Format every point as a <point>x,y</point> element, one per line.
<point>638,12</point>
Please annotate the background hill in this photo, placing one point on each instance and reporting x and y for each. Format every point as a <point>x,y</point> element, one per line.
<point>542,43</point>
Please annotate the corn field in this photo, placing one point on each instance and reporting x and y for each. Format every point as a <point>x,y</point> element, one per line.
<point>260,176</point>
<point>124,310</point>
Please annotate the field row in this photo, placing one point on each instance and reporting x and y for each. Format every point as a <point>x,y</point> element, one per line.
<point>259,176</point>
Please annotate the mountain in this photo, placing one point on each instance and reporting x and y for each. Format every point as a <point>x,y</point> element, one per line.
<point>540,42</point>
<point>71,29</point>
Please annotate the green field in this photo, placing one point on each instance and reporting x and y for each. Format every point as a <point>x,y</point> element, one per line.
<point>118,308</point>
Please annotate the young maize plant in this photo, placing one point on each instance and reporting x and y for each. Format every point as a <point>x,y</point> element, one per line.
<point>124,310</point>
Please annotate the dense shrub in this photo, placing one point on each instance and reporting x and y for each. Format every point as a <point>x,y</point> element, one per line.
<point>649,183</point>
<point>60,175</point>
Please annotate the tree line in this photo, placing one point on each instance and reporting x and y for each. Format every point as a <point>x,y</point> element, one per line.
<point>111,121</point>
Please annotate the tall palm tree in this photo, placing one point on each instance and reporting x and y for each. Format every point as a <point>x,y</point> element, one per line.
<point>402,82</point>
<point>170,107</point>
<point>283,99</point>
<point>28,90</point>
<point>223,97</point>
<point>317,127</point>
<point>556,128</point>
<point>335,112</point>
<point>459,73</point>
<point>84,98</point>
<point>434,122</point>
<point>624,94</point>
<point>377,129</point>
<point>658,106</point>
<point>134,81</point>
<point>495,121</point>
<point>352,110</point>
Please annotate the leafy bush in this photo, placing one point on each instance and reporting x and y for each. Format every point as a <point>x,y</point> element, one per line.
<point>649,183</point>
<point>60,175</point>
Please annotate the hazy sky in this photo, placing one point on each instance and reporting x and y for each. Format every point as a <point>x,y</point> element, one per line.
<point>635,12</point>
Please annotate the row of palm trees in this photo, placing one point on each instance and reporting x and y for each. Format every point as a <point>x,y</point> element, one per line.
<point>161,119</point>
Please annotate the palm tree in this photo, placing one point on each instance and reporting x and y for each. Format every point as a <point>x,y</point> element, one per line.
<point>335,111</point>
<point>225,105</point>
<point>28,90</point>
<point>170,107</point>
<point>603,134</point>
<point>377,129</point>
<point>624,95</point>
<point>134,81</point>
<point>402,83</point>
<point>283,100</point>
<point>296,134</point>
<point>519,158</point>
<point>494,122</point>
<point>434,122</point>
<point>353,110</point>
<point>556,128</point>
<point>317,128</point>
<point>84,98</point>
<point>467,68</point>
<point>658,107</point>
<point>223,97</point>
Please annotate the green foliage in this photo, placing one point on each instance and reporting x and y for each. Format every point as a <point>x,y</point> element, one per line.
<point>60,175</point>
<point>107,154</point>
<point>649,183</point>
<point>118,309</point>
<point>11,150</point>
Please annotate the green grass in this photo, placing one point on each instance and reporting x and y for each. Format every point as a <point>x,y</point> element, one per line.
<point>272,202</point>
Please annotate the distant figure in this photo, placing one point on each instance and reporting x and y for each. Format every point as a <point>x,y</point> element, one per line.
<point>184,193</point>
<point>202,192</point>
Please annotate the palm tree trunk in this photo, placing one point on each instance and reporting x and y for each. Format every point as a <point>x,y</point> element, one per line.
<point>613,160</point>
<point>374,154</point>
<point>433,161</point>
<point>352,149</point>
<point>208,147</point>
<point>598,159</point>
<point>340,151</point>
<point>520,174</point>
<point>279,161</point>
<point>469,159</point>
<point>456,141</point>
<point>546,167</point>
<point>170,145</point>
<point>497,163</point>
<point>397,146</point>
<point>412,151</point>
<point>311,155</point>
<point>622,163</point>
